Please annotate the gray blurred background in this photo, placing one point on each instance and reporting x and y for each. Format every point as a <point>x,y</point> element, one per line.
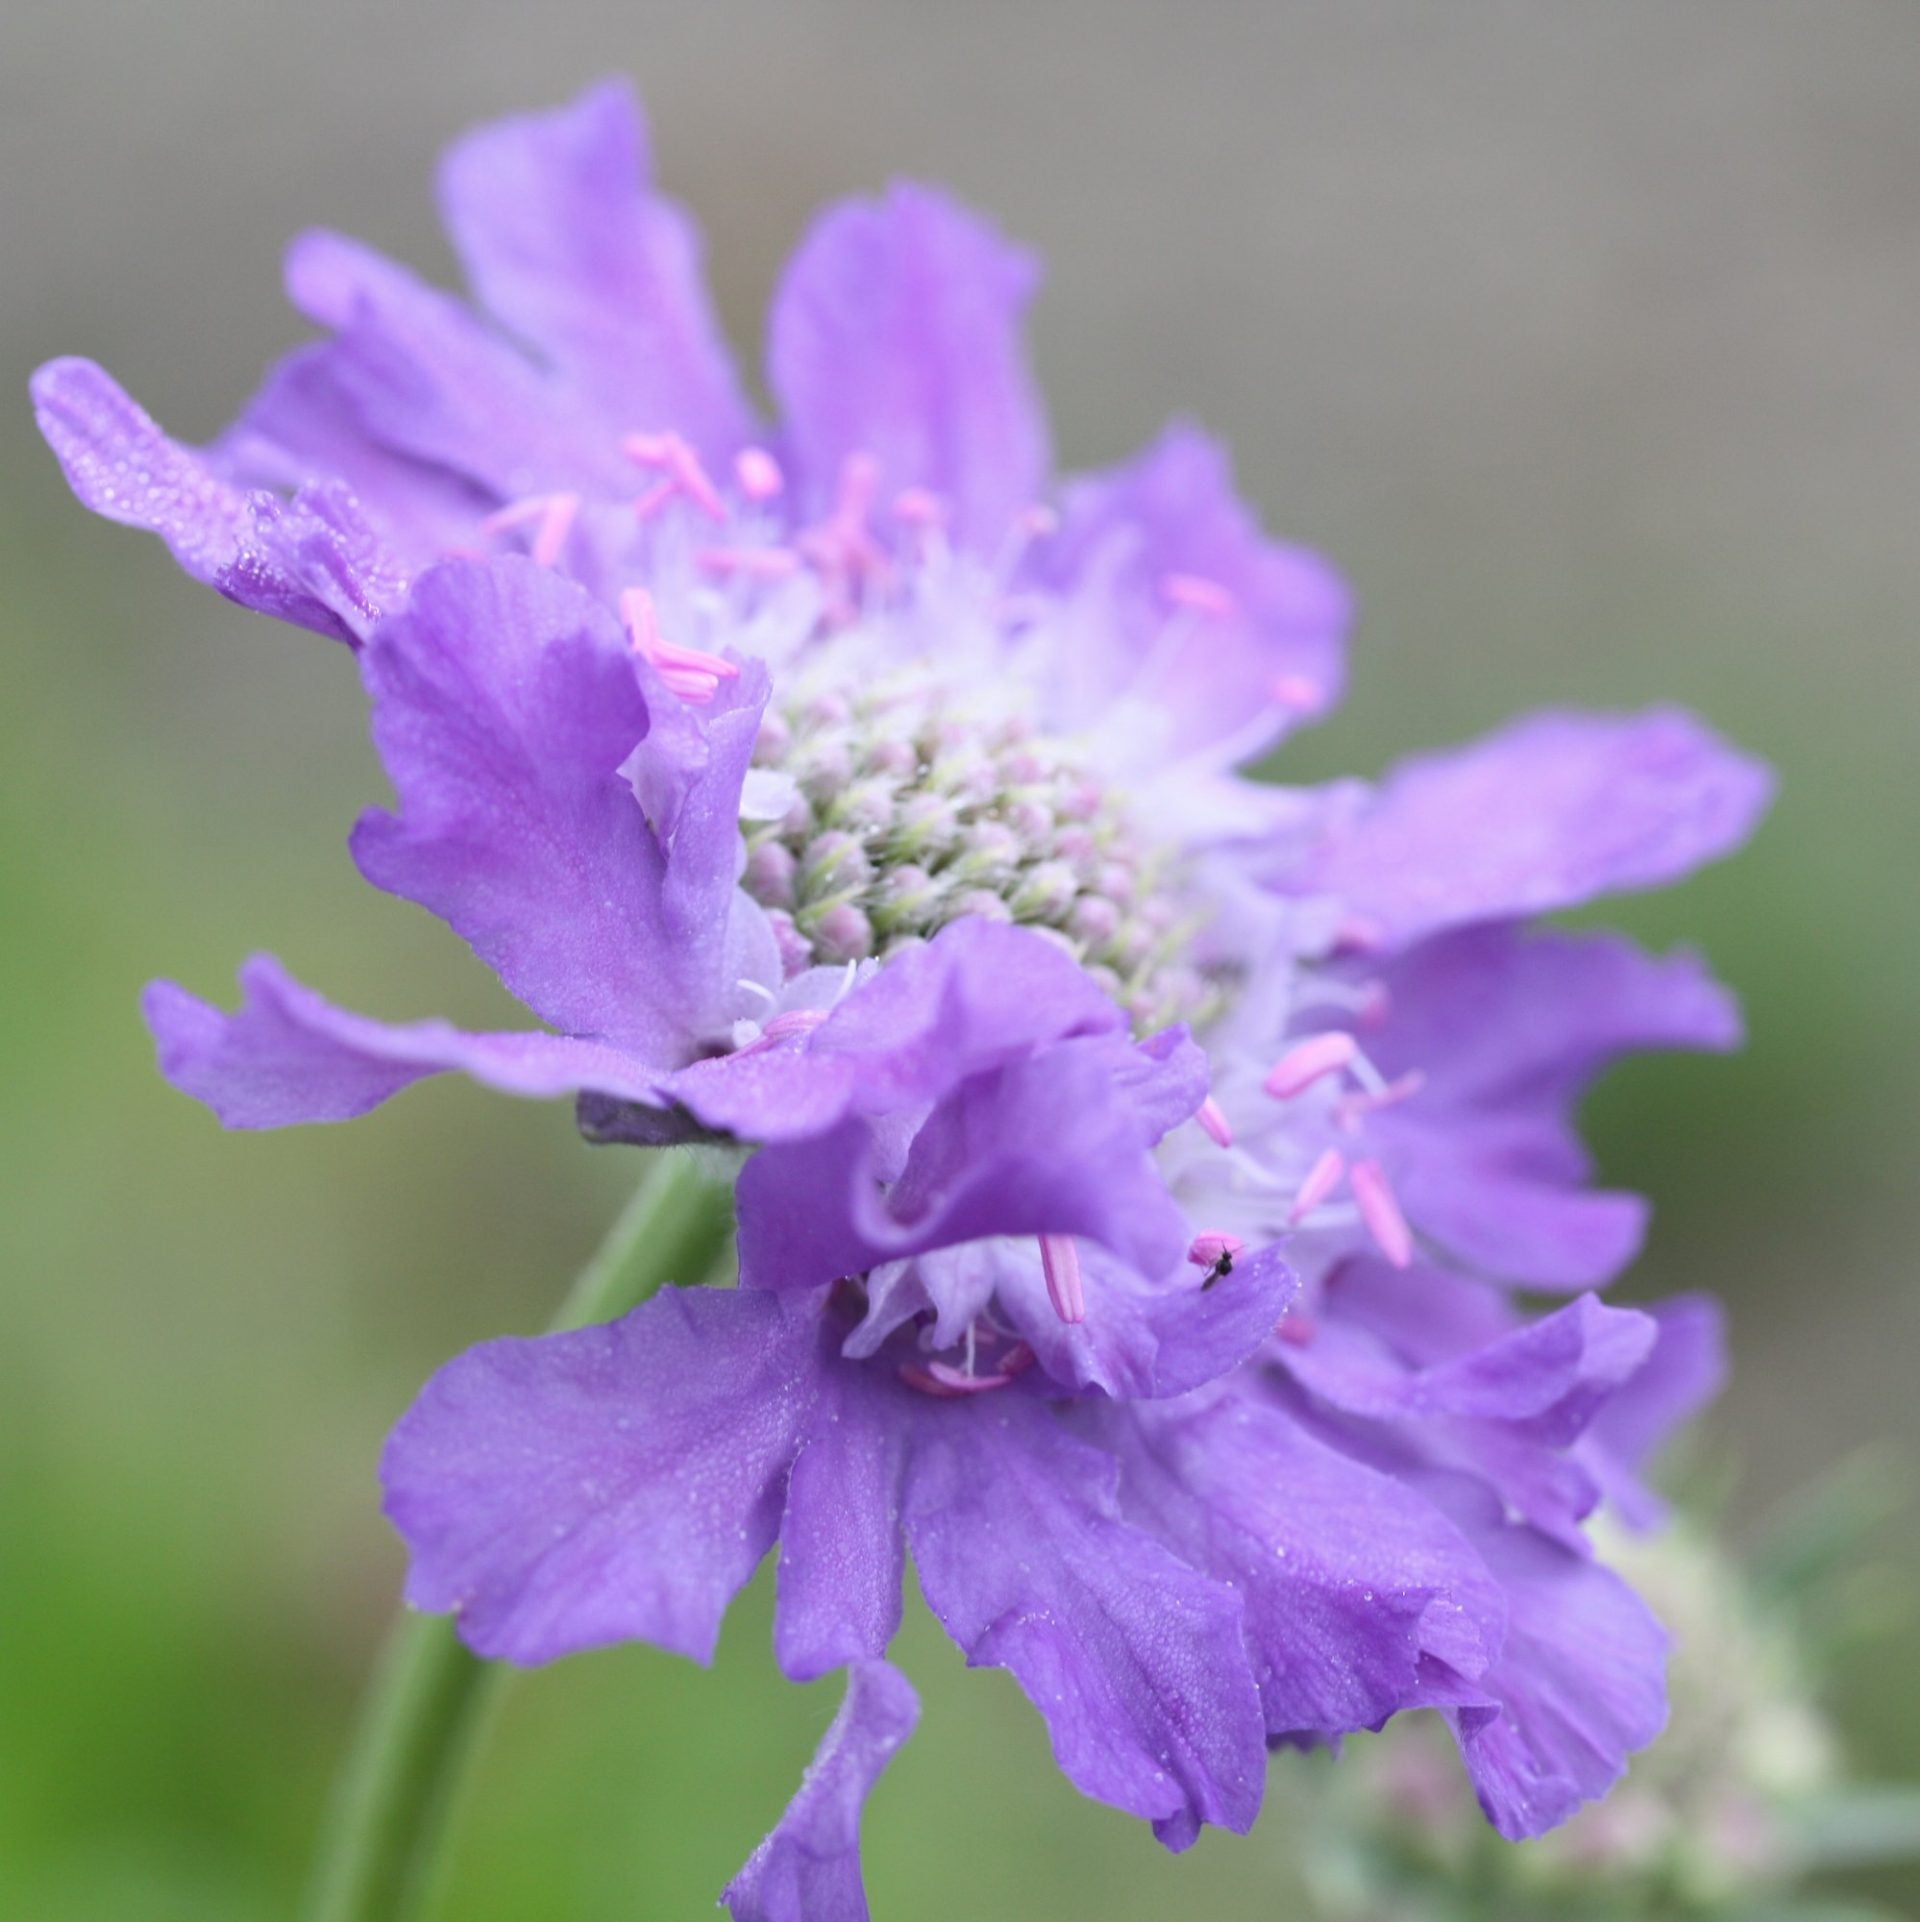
<point>1582,336</point>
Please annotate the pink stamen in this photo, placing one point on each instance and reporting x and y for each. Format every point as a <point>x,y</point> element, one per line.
<point>918,507</point>
<point>1037,521</point>
<point>690,672</point>
<point>947,1383</point>
<point>1213,1120</point>
<point>671,455</point>
<point>784,1027</point>
<point>758,473</point>
<point>1374,1005</point>
<point>1380,1210</point>
<point>1356,934</point>
<point>552,517</point>
<point>1350,1110</point>
<point>1060,1263</point>
<point>1296,1329</point>
<point>1298,694</point>
<point>1212,1246</point>
<point>1199,595</point>
<point>1309,1061</point>
<point>1322,1179</point>
<point>758,563</point>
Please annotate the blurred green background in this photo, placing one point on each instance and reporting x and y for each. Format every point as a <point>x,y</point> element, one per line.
<point>1584,337</point>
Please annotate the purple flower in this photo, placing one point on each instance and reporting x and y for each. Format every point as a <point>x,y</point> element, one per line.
<point>852,793</point>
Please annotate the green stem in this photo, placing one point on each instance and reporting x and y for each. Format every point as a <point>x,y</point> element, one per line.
<point>430,1695</point>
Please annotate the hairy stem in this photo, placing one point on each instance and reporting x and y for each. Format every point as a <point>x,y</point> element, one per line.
<point>430,1696</point>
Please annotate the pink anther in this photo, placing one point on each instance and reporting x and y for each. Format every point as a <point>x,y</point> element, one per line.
<point>671,455</point>
<point>758,473</point>
<point>550,515</point>
<point>1214,1123</point>
<point>1037,521</point>
<point>1199,595</point>
<point>1309,1061</point>
<point>919,507</point>
<point>1380,1210</point>
<point>1358,934</point>
<point>1212,1246</point>
<point>1322,1179</point>
<point>756,563</point>
<point>1352,1109</point>
<point>1060,1263</point>
<point>690,672</point>
<point>1296,1329</point>
<point>948,1383</point>
<point>1298,694</point>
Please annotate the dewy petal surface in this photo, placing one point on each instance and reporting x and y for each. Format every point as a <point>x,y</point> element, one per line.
<point>808,1868</point>
<point>896,334</point>
<point>1354,1586</point>
<point>1133,1659</point>
<point>288,1056</point>
<point>313,560</point>
<point>615,1483</point>
<point>1547,813</point>
<point>564,240</point>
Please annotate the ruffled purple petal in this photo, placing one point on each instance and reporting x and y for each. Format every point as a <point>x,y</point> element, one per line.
<point>1580,1684</point>
<point>1547,813</point>
<point>288,1057</point>
<point>841,1551</point>
<point>1505,1409</point>
<point>506,707</point>
<point>1361,1598</point>
<point>614,1483</point>
<point>565,242</point>
<point>896,334</point>
<point>808,1868</point>
<point>314,560</point>
<point>1508,1029</point>
<point>980,995</point>
<point>300,429</point>
<point>1044,1145</point>
<point>1133,1659</point>
<point>1141,1341</point>
<point>425,378</point>
<point>1686,1370</point>
<point>1222,681</point>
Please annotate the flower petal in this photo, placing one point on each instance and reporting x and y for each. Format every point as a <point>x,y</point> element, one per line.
<point>841,1552</point>
<point>896,334</point>
<point>506,707</point>
<point>564,241</point>
<point>426,379</point>
<point>808,1868</point>
<point>1686,1370</point>
<point>1171,680</point>
<point>1580,1684</point>
<point>613,1483</point>
<point>1143,1341</point>
<point>1044,1145</point>
<point>1354,1585</point>
<point>1133,1659</point>
<point>1507,1029</point>
<point>313,561</point>
<point>1547,813</point>
<point>289,1057</point>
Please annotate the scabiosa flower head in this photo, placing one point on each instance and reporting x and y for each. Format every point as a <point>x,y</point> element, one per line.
<point>851,791</point>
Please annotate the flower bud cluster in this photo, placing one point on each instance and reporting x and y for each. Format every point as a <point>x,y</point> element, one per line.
<point>912,810</point>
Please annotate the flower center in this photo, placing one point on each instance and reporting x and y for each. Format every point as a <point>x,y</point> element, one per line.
<point>910,805</point>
